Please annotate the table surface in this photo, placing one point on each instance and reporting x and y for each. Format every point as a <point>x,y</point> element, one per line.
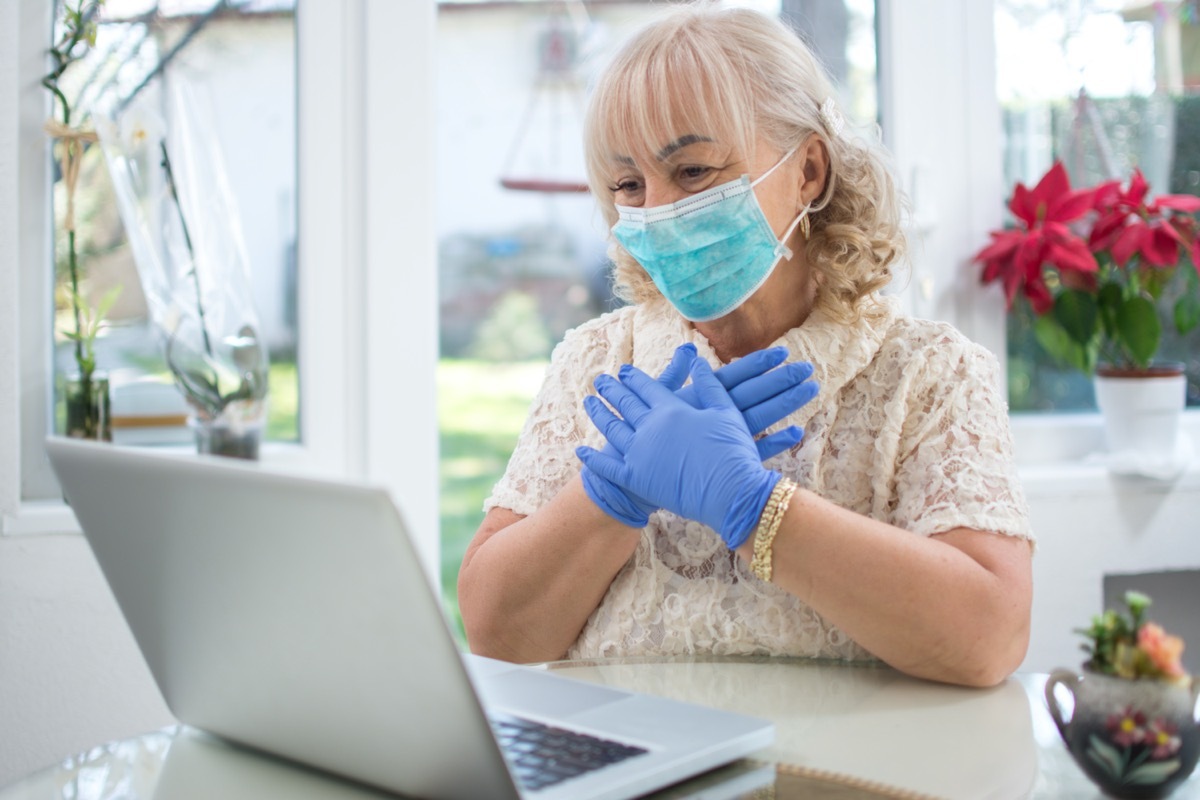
<point>842,731</point>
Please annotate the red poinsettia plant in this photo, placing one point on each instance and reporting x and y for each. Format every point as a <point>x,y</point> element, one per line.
<point>1095,266</point>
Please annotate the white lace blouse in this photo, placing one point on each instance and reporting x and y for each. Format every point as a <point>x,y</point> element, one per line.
<point>908,428</point>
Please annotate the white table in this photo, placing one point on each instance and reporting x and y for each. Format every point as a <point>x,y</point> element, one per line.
<point>841,732</point>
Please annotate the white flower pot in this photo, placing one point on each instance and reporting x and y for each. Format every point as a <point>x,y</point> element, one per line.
<point>1142,414</point>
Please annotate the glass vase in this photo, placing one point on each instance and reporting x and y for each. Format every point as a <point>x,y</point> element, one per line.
<point>219,437</point>
<point>86,401</point>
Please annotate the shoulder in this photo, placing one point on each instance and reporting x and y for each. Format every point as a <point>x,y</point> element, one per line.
<point>924,363</point>
<point>936,348</point>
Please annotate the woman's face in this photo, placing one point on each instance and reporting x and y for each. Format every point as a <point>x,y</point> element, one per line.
<point>691,163</point>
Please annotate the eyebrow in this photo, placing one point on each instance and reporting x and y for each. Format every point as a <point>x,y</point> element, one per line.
<point>666,152</point>
<point>680,143</point>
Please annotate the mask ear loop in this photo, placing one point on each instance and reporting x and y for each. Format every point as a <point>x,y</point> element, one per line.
<point>805,229</point>
<point>777,165</point>
<point>802,220</point>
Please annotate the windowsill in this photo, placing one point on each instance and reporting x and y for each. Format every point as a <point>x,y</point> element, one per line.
<point>1061,454</point>
<point>53,517</point>
<point>1056,457</point>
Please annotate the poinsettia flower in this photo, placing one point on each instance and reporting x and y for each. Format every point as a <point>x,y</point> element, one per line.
<point>1129,226</point>
<point>1017,256</point>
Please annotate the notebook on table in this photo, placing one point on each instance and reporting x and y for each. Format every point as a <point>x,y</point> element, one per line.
<point>292,615</point>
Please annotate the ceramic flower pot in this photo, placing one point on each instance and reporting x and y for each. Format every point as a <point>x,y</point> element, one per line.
<point>1133,738</point>
<point>1142,410</point>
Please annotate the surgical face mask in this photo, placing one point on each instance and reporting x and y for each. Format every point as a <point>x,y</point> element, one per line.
<point>709,252</point>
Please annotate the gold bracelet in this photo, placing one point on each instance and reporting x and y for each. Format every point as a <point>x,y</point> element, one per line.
<point>768,526</point>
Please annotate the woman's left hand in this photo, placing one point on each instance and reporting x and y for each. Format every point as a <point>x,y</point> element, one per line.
<point>701,463</point>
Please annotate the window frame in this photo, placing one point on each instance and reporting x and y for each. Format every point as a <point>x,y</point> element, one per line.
<point>955,182</point>
<point>356,422</point>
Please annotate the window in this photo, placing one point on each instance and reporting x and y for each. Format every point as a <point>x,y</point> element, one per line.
<point>220,84</point>
<point>364,250</point>
<point>1103,86</point>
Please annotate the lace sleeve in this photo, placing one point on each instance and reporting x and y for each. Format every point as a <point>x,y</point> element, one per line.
<point>544,459</point>
<point>957,467</point>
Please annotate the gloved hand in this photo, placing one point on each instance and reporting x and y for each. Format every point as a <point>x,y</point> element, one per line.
<point>765,395</point>
<point>614,501</point>
<point>762,393</point>
<point>700,463</point>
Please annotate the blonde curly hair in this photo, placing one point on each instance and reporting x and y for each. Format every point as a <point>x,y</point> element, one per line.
<point>735,75</point>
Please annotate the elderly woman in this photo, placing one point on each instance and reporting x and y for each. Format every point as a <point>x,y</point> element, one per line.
<point>750,226</point>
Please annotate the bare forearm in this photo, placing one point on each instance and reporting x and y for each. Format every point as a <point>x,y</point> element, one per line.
<point>953,607</point>
<point>526,589</point>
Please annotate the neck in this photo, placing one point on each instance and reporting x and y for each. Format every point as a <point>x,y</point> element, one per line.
<point>780,304</point>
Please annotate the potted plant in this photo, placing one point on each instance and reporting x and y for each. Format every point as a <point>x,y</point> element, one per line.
<point>191,260</point>
<point>85,391</point>
<point>1132,728</point>
<point>1097,266</point>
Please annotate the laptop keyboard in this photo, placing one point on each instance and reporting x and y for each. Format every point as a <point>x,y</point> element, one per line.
<point>541,755</point>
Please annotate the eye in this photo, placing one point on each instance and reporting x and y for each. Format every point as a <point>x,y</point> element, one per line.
<point>626,190</point>
<point>694,172</point>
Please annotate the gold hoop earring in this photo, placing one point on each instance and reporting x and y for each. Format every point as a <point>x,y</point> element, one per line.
<point>805,227</point>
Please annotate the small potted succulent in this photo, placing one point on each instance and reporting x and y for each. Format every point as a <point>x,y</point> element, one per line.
<point>1132,728</point>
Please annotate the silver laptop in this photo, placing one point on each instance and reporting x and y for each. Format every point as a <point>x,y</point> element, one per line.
<point>292,615</point>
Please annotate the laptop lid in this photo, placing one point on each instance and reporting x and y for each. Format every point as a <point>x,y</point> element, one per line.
<point>292,614</point>
<point>284,613</point>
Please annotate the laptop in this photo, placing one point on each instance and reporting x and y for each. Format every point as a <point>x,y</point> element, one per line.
<point>291,614</point>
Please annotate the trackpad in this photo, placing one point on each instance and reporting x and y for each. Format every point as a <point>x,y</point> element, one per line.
<point>534,692</point>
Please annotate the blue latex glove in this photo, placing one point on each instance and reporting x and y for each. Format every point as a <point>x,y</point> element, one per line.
<point>762,393</point>
<point>700,463</point>
<point>612,499</point>
<point>765,395</point>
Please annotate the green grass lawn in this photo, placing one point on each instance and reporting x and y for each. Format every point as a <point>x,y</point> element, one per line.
<point>481,408</point>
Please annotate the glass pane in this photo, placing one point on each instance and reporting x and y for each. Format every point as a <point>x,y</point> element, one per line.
<point>521,255</point>
<point>1104,86</point>
<point>226,72</point>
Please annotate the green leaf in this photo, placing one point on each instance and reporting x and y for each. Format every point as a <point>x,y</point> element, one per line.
<point>1139,329</point>
<point>1061,347</point>
<point>1138,602</point>
<point>1154,772</point>
<point>1110,297</point>
<point>1076,312</point>
<point>1187,312</point>
<point>1106,756</point>
<point>106,302</point>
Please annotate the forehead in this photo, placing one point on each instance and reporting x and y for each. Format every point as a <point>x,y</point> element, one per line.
<point>660,92</point>
<point>659,134</point>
